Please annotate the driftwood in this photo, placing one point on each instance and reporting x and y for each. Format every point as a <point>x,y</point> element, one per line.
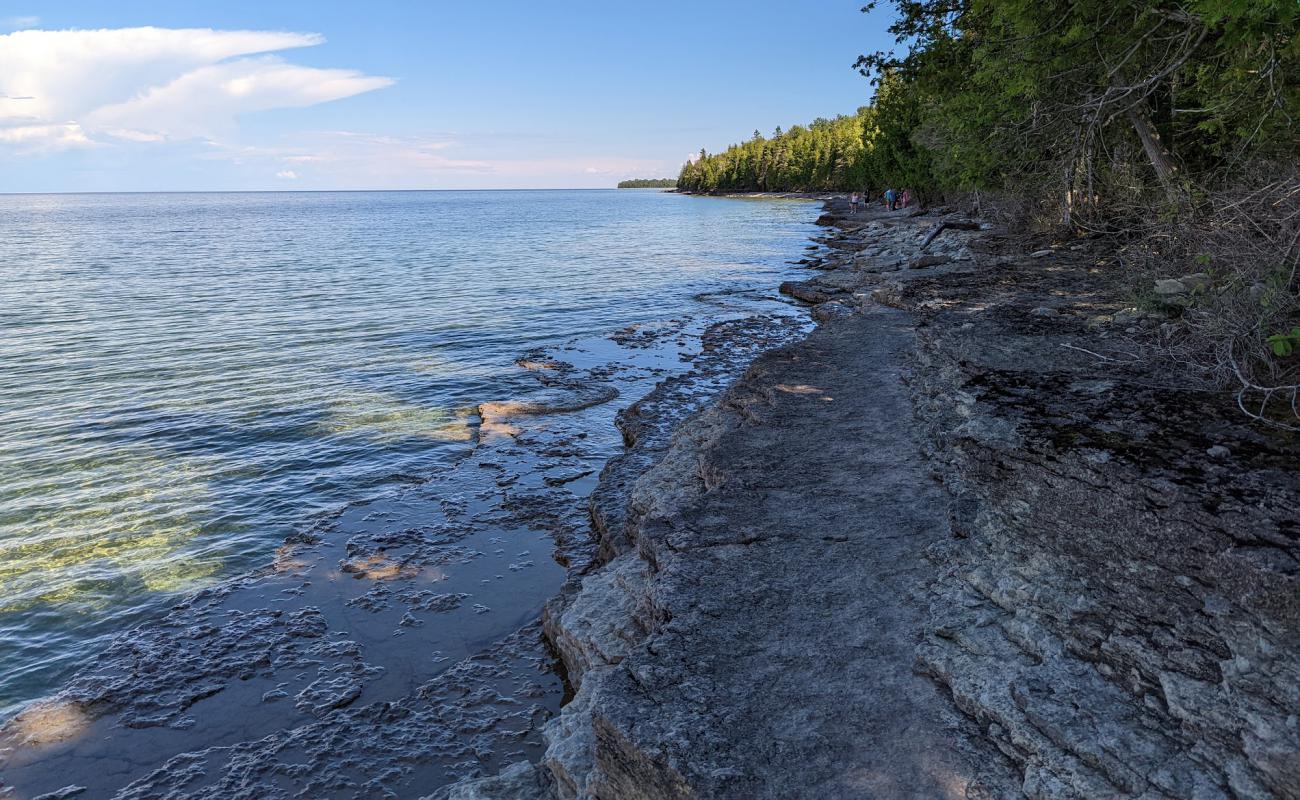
<point>955,224</point>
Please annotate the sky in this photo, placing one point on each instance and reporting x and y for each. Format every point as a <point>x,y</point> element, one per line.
<point>147,95</point>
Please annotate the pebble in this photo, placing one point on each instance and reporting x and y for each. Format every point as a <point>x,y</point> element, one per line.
<point>1040,254</point>
<point>1218,451</point>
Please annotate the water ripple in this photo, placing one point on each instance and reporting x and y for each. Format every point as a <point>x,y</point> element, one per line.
<point>187,379</point>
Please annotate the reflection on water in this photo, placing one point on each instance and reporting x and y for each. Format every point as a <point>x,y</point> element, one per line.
<point>185,380</point>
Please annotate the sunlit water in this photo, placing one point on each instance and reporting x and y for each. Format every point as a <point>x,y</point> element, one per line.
<point>186,379</point>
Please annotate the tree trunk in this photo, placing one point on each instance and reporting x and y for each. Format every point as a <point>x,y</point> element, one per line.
<point>1161,159</point>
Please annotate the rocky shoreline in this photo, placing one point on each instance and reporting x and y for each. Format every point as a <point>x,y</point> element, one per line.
<point>395,646</point>
<point>962,541</point>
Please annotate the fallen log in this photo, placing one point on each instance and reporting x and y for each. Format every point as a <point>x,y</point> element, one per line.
<point>955,224</point>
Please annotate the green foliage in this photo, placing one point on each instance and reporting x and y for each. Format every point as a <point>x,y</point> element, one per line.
<point>1082,98</point>
<point>1098,107</point>
<point>648,183</point>
<point>1285,343</point>
<point>843,153</point>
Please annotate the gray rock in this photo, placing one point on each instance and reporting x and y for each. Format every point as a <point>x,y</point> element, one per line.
<point>1043,311</point>
<point>779,640</point>
<point>519,781</point>
<point>1169,286</point>
<point>1041,253</point>
<point>1218,451</point>
<point>1196,281</point>
<point>825,312</point>
<point>927,261</point>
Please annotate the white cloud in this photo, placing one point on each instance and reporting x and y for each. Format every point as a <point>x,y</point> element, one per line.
<point>149,84</point>
<point>45,137</point>
<point>287,174</point>
<point>205,102</point>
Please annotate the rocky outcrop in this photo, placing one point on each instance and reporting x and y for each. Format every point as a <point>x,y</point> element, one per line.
<point>963,541</point>
<point>1121,607</point>
<point>768,601</point>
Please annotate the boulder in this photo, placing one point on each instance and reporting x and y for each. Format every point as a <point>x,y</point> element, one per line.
<point>808,292</point>
<point>1167,287</point>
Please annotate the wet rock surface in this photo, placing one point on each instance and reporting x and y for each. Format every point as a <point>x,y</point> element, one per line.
<point>395,647</point>
<point>960,542</point>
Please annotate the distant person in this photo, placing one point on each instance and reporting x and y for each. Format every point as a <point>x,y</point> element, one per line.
<point>854,199</point>
<point>890,199</point>
<point>907,197</point>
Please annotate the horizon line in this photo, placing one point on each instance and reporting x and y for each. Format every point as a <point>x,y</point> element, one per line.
<point>325,191</point>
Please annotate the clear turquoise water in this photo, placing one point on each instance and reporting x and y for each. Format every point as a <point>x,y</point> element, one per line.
<point>186,379</point>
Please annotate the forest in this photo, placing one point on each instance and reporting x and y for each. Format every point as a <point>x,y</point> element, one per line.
<point>648,183</point>
<point>1168,126</point>
<point>1077,101</point>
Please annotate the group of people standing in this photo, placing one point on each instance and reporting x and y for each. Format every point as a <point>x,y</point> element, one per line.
<point>892,198</point>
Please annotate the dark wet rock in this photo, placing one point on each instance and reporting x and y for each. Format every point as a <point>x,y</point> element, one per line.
<point>478,716</point>
<point>326,694</point>
<point>840,280</point>
<point>308,623</point>
<point>825,312</point>
<point>560,480</point>
<point>648,424</point>
<point>62,794</point>
<point>520,781</point>
<point>808,292</point>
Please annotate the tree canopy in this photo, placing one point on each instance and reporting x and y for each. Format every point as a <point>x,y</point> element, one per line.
<point>648,183</point>
<point>1076,100</point>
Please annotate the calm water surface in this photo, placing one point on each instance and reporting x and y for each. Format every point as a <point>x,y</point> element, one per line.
<point>186,379</point>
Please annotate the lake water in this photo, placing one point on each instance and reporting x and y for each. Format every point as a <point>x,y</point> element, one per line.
<point>188,379</point>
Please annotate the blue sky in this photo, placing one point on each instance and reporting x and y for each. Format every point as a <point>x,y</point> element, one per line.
<point>140,96</point>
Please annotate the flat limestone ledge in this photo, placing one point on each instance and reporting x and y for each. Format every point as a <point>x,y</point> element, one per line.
<point>759,639</point>
<point>1121,606</point>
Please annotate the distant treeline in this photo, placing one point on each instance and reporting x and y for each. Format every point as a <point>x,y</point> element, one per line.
<point>648,183</point>
<point>829,154</point>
